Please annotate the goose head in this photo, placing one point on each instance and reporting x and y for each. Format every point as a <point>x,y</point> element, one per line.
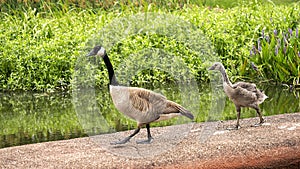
<point>98,51</point>
<point>216,66</point>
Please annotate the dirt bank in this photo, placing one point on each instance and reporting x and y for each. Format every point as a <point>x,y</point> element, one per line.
<point>276,144</point>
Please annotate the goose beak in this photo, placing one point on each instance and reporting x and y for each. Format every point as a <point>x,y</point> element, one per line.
<point>211,68</point>
<point>91,53</point>
<point>97,50</point>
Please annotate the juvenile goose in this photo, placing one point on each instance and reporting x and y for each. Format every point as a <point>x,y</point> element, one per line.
<point>142,105</point>
<point>242,94</point>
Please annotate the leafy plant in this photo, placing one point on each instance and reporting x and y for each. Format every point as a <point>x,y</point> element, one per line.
<point>41,42</point>
<point>278,55</point>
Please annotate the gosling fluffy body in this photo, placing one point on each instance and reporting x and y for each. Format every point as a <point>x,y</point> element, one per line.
<point>242,94</point>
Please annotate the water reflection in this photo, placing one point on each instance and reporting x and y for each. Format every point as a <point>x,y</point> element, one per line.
<point>27,117</point>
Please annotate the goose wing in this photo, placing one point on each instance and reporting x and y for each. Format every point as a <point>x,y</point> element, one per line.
<point>144,100</point>
<point>154,106</point>
<point>251,87</point>
<point>243,93</point>
<point>172,107</point>
<point>246,86</point>
<point>247,93</point>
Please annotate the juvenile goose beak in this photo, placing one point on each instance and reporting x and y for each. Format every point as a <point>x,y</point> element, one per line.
<point>211,68</point>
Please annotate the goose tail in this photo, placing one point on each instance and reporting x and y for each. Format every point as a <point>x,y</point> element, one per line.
<point>262,97</point>
<point>183,111</point>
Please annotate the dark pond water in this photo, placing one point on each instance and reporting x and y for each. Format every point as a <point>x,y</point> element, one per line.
<point>27,117</point>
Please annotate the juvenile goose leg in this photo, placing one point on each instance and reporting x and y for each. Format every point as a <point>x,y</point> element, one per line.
<point>238,110</point>
<point>127,138</point>
<point>149,136</point>
<point>261,120</point>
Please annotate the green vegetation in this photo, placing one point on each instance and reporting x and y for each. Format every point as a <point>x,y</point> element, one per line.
<point>234,3</point>
<point>278,55</point>
<point>41,42</point>
<point>234,32</point>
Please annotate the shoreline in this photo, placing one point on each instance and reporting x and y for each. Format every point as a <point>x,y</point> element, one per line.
<point>276,144</point>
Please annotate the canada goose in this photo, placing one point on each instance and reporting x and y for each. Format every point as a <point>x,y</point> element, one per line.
<point>242,94</point>
<point>142,105</point>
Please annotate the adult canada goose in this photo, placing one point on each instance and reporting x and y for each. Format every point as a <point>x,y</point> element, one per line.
<point>142,105</point>
<point>242,94</point>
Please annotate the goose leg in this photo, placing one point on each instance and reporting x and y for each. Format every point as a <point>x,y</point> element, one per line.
<point>237,126</point>
<point>125,140</point>
<point>148,141</point>
<point>261,120</point>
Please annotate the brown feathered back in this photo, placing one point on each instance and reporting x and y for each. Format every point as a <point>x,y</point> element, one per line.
<point>145,106</point>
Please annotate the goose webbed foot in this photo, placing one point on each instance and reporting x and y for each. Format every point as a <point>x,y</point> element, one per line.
<point>258,124</point>
<point>236,127</point>
<point>121,142</point>
<point>148,141</point>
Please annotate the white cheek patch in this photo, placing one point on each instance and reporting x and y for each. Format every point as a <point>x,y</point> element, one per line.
<point>101,52</point>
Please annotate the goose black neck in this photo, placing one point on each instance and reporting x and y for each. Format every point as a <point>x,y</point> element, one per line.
<point>111,73</point>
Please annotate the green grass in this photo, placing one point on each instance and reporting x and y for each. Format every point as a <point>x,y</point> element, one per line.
<point>41,42</point>
<point>234,3</point>
<point>234,31</point>
<point>107,4</point>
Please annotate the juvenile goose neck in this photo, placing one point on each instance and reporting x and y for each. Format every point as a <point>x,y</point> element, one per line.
<point>111,73</point>
<point>225,77</point>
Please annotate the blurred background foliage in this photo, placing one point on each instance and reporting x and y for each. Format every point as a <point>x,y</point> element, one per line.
<point>42,39</point>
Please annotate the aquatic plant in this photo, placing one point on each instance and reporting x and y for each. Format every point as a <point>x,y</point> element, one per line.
<point>278,58</point>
